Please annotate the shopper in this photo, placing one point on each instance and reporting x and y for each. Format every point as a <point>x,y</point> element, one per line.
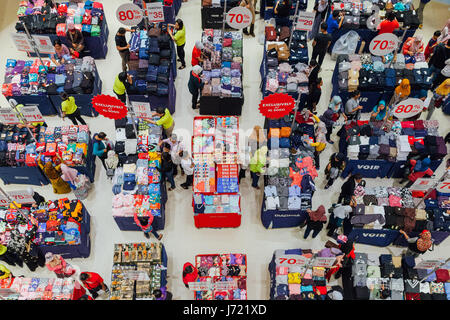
<point>439,95</point>
<point>38,199</point>
<point>388,25</point>
<point>100,148</point>
<point>5,273</point>
<point>418,245</point>
<point>411,47</point>
<point>422,4</point>
<point>167,169</point>
<point>187,165</point>
<point>429,49</point>
<point>93,282</point>
<point>345,260</point>
<point>333,23</point>
<point>123,47</point>
<point>70,109</point>
<point>257,165</point>
<point>321,43</point>
<point>249,5</point>
<point>331,115</point>
<point>419,169</point>
<point>313,75</point>
<point>75,38</point>
<point>54,175</point>
<point>352,106</point>
<point>190,274</point>
<point>165,120</point>
<point>176,146</point>
<point>121,85</point>
<point>282,12</point>
<point>379,112</point>
<point>348,188</point>
<point>320,10</point>
<point>320,142</point>
<point>145,223</point>
<point>162,294</point>
<point>179,37</point>
<point>197,54</point>
<point>314,96</point>
<point>339,215</point>
<point>437,61</point>
<point>61,50</point>
<point>315,221</point>
<point>195,85</point>
<point>58,265</point>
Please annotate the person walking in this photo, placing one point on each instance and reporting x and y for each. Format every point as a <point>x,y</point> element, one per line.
<point>257,164</point>
<point>58,265</point>
<point>145,223</point>
<point>123,47</point>
<point>422,4</point>
<point>320,10</point>
<point>320,142</point>
<point>176,146</point>
<point>314,96</point>
<point>250,6</point>
<point>100,148</point>
<point>165,120</point>
<point>70,109</point>
<point>121,85</point>
<point>331,115</point>
<point>320,44</point>
<point>179,37</point>
<point>195,85</point>
<point>315,221</point>
<point>94,283</point>
<point>187,165</point>
<point>313,73</point>
<point>439,95</point>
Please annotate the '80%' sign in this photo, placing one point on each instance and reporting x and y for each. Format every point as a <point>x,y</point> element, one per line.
<point>408,108</point>
<point>129,14</point>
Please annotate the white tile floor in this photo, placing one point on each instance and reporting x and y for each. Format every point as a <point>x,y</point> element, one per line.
<point>182,240</point>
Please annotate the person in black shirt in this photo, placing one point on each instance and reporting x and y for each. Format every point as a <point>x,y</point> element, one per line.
<point>337,163</point>
<point>123,47</point>
<point>314,96</point>
<point>167,166</point>
<point>76,39</point>
<point>321,43</point>
<point>437,62</point>
<point>313,74</point>
<point>348,188</point>
<point>282,10</point>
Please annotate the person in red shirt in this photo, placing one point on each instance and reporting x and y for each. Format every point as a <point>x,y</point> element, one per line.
<point>190,273</point>
<point>197,58</point>
<point>431,44</point>
<point>93,282</point>
<point>389,24</point>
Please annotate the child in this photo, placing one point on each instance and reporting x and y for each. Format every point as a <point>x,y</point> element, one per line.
<point>431,44</point>
<point>188,167</point>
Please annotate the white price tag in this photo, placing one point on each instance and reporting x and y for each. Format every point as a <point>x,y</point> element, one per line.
<point>383,44</point>
<point>292,259</point>
<point>239,18</point>
<point>22,42</point>
<point>155,12</point>
<point>408,108</point>
<point>129,14</point>
<point>305,21</point>
<point>8,117</point>
<point>32,114</point>
<point>44,44</point>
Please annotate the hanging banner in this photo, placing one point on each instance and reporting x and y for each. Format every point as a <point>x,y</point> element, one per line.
<point>109,107</point>
<point>142,110</point>
<point>129,14</point>
<point>8,117</point>
<point>276,105</point>
<point>239,17</point>
<point>408,108</point>
<point>32,114</point>
<point>291,259</point>
<point>44,44</point>
<point>20,196</point>
<point>155,12</point>
<point>305,21</point>
<point>383,44</point>
<point>22,42</point>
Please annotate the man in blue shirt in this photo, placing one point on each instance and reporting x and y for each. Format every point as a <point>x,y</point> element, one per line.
<point>332,21</point>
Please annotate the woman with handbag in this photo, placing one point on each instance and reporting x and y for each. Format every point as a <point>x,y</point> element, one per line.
<point>100,147</point>
<point>418,245</point>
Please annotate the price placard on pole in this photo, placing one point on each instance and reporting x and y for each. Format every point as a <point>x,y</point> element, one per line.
<point>142,110</point>
<point>32,114</point>
<point>44,44</point>
<point>305,21</point>
<point>408,108</point>
<point>8,117</point>
<point>383,44</point>
<point>428,264</point>
<point>22,42</point>
<point>324,262</point>
<point>137,275</point>
<point>423,184</point>
<point>129,14</point>
<point>292,259</point>
<point>444,186</point>
<point>239,18</point>
<point>224,285</point>
<point>155,12</point>
<point>20,196</point>
<point>199,286</point>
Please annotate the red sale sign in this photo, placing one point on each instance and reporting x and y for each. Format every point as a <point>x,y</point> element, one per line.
<point>305,21</point>
<point>291,259</point>
<point>239,17</point>
<point>109,107</point>
<point>129,14</point>
<point>408,108</point>
<point>383,44</point>
<point>276,105</point>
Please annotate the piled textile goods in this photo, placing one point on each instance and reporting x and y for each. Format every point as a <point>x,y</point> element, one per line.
<point>214,269</point>
<point>142,258</point>
<point>75,76</point>
<point>222,70</point>
<point>150,61</point>
<point>42,19</point>
<point>41,289</point>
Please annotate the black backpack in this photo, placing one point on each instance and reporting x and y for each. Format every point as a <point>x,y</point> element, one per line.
<point>129,132</point>
<point>87,84</point>
<point>119,147</point>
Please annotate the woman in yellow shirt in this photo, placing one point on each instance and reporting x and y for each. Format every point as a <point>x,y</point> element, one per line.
<point>70,109</point>
<point>166,120</point>
<point>180,40</point>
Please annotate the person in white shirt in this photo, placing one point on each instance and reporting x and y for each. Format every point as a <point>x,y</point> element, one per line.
<point>176,146</point>
<point>187,165</point>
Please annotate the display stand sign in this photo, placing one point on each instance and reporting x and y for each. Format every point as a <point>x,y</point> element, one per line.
<point>142,110</point>
<point>423,184</point>
<point>428,264</point>
<point>291,259</point>
<point>32,114</point>
<point>109,107</point>
<point>224,285</point>
<point>155,12</point>
<point>20,196</point>
<point>408,108</point>
<point>276,105</point>
<point>129,14</point>
<point>22,42</point>
<point>305,21</point>
<point>8,117</point>
<point>383,44</point>
<point>206,285</point>
<point>444,186</point>
<point>239,17</point>
<point>199,286</point>
<point>137,275</point>
<point>324,262</point>
<point>44,44</point>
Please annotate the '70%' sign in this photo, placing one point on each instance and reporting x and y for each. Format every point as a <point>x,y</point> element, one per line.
<point>383,44</point>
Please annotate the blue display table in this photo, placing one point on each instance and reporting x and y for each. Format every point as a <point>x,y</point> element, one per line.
<point>274,219</point>
<point>23,175</point>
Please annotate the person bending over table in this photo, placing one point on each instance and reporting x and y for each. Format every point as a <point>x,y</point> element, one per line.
<point>76,39</point>
<point>60,51</point>
<point>411,47</point>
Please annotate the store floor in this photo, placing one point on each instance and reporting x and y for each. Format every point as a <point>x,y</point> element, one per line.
<point>181,239</point>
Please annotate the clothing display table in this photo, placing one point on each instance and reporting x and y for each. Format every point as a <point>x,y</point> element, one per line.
<point>23,175</point>
<point>274,219</point>
<point>267,6</point>
<point>139,268</point>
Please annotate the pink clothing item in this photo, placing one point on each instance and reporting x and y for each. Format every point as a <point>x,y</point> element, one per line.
<point>282,271</point>
<point>296,177</point>
<point>407,124</point>
<point>395,201</point>
<point>68,174</point>
<point>294,288</point>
